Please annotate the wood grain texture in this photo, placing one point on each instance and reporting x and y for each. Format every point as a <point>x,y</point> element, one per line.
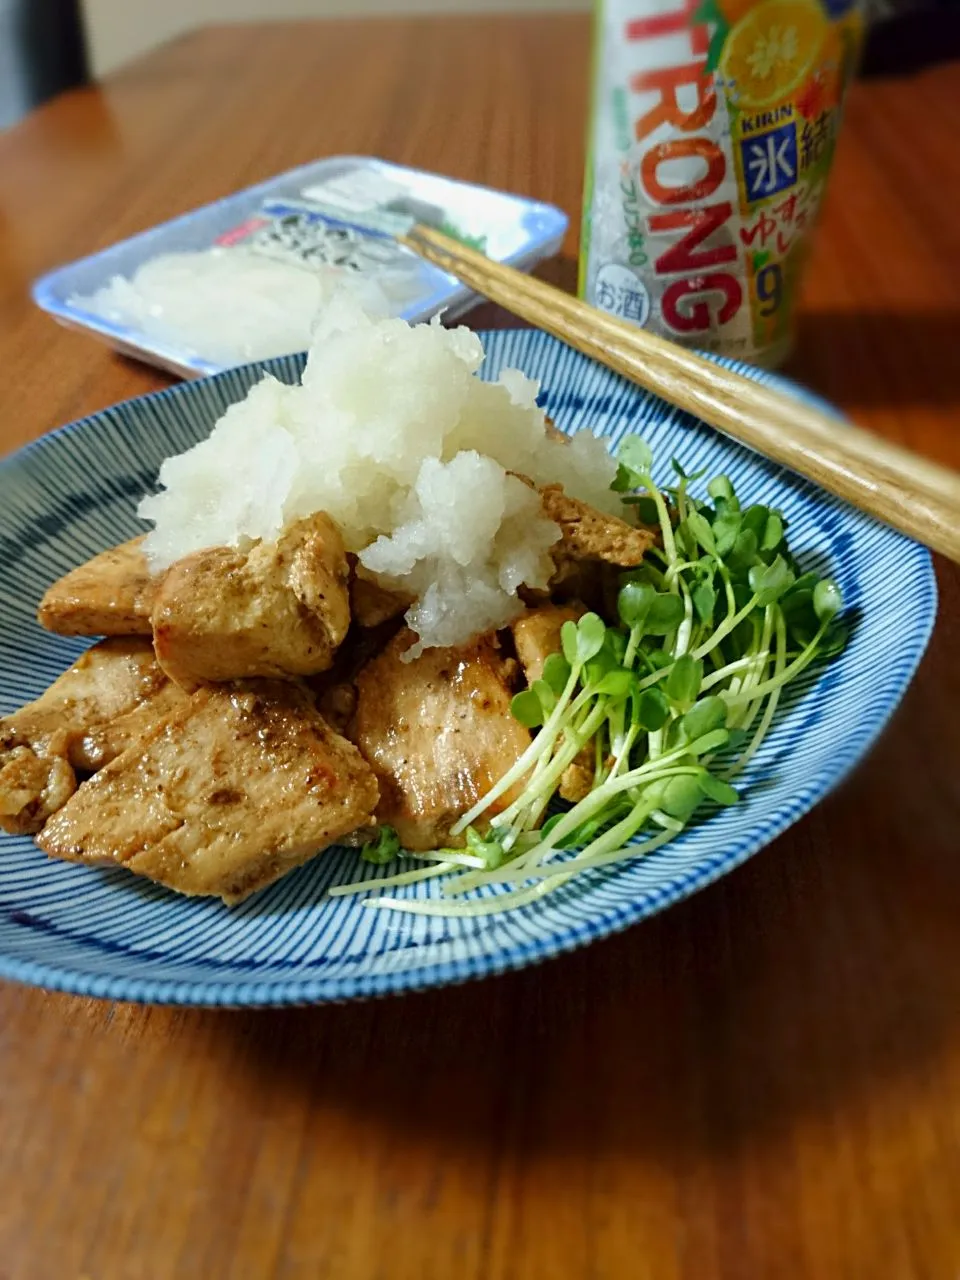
<point>764,1081</point>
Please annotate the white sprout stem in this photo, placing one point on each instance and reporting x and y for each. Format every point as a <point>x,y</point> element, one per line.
<point>586,860</point>
<point>755,675</point>
<point>623,754</point>
<point>633,643</point>
<point>707,647</point>
<point>745,665</point>
<point>542,743</point>
<point>789,673</point>
<point>666,528</point>
<point>391,882</point>
<point>564,757</point>
<point>682,641</point>
<point>596,800</point>
<point>488,907</point>
<point>520,868</point>
<point>729,624</point>
<point>516,815</point>
<point>764,725</point>
<point>615,837</point>
<point>617,726</point>
<point>728,589</point>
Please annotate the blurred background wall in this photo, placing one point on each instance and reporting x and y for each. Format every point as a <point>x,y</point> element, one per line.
<point>118,30</point>
<point>47,46</point>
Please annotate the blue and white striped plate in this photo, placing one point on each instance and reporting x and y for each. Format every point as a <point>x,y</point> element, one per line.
<point>106,933</point>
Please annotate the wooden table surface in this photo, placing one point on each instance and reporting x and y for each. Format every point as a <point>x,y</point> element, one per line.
<point>764,1081</point>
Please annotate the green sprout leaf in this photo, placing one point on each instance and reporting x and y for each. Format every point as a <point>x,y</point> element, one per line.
<point>525,707</point>
<point>683,683</point>
<point>704,600</point>
<point>616,683</point>
<point>556,672</point>
<point>664,616</point>
<point>755,519</point>
<point>715,740</point>
<point>635,453</point>
<point>657,659</point>
<point>646,508</point>
<point>489,849</point>
<point>827,600</point>
<point>582,640</point>
<point>633,603</point>
<point>624,480</point>
<point>769,582</point>
<point>726,527</point>
<point>687,543</point>
<point>772,532</point>
<point>737,738</point>
<point>615,643</point>
<point>716,789</point>
<point>721,489</point>
<point>384,849</point>
<point>835,640</point>
<point>699,526</point>
<point>652,710</point>
<point>805,583</point>
<point>680,796</point>
<point>743,554</point>
<point>704,717</point>
<point>598,666</point>
<point>544,695</point>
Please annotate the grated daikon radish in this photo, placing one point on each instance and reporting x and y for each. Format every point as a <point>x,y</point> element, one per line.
<point>395,437</point>
<point>230,305</point>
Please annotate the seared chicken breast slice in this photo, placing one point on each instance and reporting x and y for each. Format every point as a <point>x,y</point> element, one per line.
<point>536,634</point>
<point>223,796</point>
<point>35,781</point>
<point>87,716</point>
<point>278,610</point>
<point>437,732</point>
<point>370,603</point>
<point>110,595</point>
<point>589,534</point>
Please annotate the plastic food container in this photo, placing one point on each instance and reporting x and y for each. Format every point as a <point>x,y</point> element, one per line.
<point>335,213</point>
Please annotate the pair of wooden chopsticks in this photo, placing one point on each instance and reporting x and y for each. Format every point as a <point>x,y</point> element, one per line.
<point>918,497</point>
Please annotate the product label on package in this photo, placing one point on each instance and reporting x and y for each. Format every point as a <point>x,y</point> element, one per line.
<point>297,231</point>
<point>713,131</point>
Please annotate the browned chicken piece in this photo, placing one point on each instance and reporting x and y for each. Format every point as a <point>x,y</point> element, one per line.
<point>278,610</point>
<point>111,680</point>
<point>589,534</point>
<point>337,703</point>
<point>110,595</point>
<point>88,715</point>
<point>222,797</point>
<point>536,633</point>
<point>106,741</point>
<point>371,604</point>
<point>35,781</point>
<point>578,777</point>
<point>438,733</point>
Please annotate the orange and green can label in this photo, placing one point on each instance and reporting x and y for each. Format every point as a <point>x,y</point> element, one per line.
<point>712,135</point>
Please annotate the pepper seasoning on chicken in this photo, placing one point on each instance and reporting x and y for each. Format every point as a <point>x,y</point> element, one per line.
<point>278,611</point>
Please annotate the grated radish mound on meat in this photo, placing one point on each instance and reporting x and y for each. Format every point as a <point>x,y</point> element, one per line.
<point>393,435</point>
